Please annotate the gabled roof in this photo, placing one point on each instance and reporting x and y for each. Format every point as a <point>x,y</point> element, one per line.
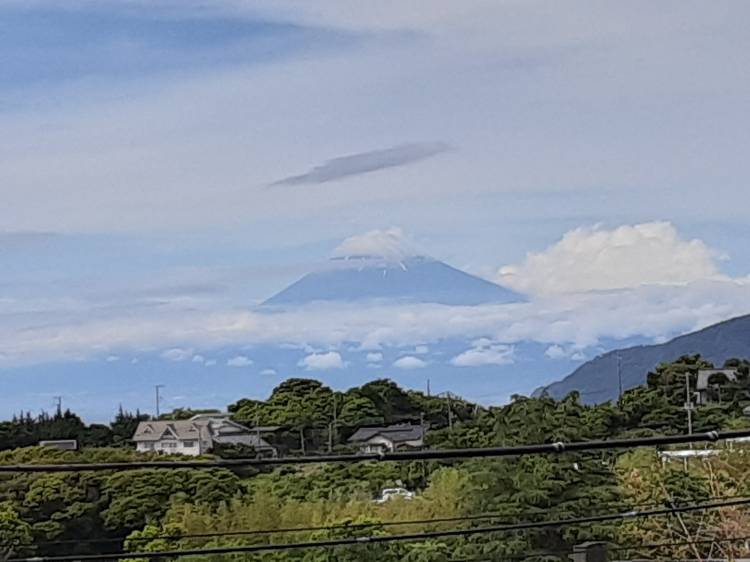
<point>395,433</point>
<point>177,429</point>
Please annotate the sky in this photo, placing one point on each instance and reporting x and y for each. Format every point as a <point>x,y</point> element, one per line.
<point>167,165</point>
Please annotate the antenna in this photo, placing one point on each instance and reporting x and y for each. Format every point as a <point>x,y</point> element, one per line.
<point>58,401</point>
<point>158,398</point>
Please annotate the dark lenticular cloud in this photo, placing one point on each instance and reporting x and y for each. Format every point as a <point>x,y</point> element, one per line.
<point>365,162</point>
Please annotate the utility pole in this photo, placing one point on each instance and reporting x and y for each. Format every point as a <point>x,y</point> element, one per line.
<point>332,426</point>
<point>428,388</point>
<point>689,410</point>
<point>688,404</point>
<point>257,431</point>
<point>450,411</point>
<point>158,398</point>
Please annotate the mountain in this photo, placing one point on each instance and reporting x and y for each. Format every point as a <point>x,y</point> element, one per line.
<point>598,381</point>
<point>413,280</point>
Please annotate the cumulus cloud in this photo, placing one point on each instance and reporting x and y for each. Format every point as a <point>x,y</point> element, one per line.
<point>366,162</point>
<point>268,372</point>
<point>322,361</point>
<point>555,352</point>
<point>112,358</point>
<point>210,362</point>
<point>199,359</point>
<point>239,361</point>
<point>484,353</point>
<point>390,243</point>
<point>409,362</point>
<point>374,357</point>
<point>177,354</point>
<point>594,258</point>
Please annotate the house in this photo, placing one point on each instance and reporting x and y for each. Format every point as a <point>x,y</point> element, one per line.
<point>390,438</point>
<point>198,435</point>
<point>708,379</point>
<point>62,444</point>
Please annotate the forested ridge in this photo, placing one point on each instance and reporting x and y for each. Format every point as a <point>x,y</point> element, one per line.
<point>153,510</point>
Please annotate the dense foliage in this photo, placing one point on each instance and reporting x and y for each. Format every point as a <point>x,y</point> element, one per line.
<point>151,510</point>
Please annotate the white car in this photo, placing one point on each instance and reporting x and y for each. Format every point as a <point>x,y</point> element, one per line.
<point>393,493</point>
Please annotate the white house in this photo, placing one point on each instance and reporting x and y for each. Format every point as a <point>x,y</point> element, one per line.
<point>382,439</point>
<point>198,435</point>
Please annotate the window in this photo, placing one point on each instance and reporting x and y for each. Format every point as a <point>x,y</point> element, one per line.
<point>168,445</point>
<point>188,444</point>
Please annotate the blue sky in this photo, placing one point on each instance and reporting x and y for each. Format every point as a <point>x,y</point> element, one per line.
<point>166,160</point>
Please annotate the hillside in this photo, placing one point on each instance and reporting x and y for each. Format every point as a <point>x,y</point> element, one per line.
<point>597,380</point>
<point>413,279</point>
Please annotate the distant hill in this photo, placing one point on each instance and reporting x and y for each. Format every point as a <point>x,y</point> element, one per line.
<point>413,279</point>
<point>597,380</point>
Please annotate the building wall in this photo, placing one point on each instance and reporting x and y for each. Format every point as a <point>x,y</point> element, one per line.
<point>172,447</point>
<point>376,444</point>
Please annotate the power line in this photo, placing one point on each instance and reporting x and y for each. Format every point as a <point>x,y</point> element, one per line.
<point>437,454</point>
<point>352,526</point>
<point>384,539</point>
<point>557,552</point>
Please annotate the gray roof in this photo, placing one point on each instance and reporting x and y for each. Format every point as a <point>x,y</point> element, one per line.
<point>216,429</point>
<point>176,429</point>
<point>396,433</point>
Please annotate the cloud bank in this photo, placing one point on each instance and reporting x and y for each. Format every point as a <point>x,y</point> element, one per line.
<point>664,285</point>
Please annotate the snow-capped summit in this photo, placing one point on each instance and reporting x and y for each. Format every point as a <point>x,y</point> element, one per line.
<point>383,265</point>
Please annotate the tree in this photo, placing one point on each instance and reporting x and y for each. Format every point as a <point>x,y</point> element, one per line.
<point>15,533</point>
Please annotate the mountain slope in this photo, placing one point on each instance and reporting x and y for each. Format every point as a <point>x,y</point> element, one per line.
<point>597,380</point>
<point>414,279</point>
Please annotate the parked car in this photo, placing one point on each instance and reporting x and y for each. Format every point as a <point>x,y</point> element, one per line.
<point>393,493</point>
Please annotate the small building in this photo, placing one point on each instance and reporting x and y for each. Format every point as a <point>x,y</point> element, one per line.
<point>198,435</point>
<point>390,438</point>
<point>62,444</point>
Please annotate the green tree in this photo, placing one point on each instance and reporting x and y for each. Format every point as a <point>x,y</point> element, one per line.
<point>15,533</point>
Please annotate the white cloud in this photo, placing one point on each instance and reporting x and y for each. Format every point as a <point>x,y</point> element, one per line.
<point>210,362</point>
<point>177,354</point>
<point>409,362</point>
<point>485,354</point>
<point>322,361</point>
<point>374,357</point>
<point>421,350</point>
<point>555,352</point>
<point>268,372</point>
<point>112,358</point>
<point>199,359</point>
<point>581,319</point>
<point>239,361</point>
<point>589,259</point>
<point>391,244</point>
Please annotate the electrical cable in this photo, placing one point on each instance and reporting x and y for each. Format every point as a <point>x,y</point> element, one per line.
<point>384,539</point>
<point>441,454</point>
